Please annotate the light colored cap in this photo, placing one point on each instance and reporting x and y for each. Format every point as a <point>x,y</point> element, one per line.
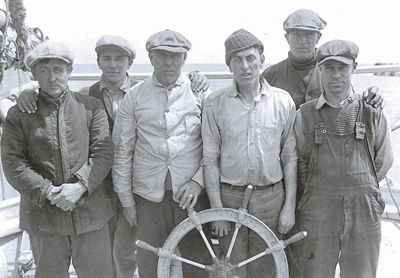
<point>168,40</point>
<point>304,19</point>
<point>49,50</point>
<point>116,42</point>
<point>339,50</point>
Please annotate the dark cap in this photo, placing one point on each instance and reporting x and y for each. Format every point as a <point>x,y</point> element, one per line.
<point>116,42</point>
<point>168,40</point>
<point>49,50</point>
<point>240,40</point>
<point>339,50</point>
<point>304,19</point>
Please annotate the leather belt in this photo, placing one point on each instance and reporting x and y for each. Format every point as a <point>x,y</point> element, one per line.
<point>242,188</point>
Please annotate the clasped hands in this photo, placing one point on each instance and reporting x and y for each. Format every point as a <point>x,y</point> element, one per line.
<point>66,195</point>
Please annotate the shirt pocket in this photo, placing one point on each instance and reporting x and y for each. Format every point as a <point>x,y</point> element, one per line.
<point>356,158</point>
<point>269,138</point>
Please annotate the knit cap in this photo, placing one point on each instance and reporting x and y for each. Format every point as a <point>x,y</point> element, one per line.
<point>304,19</point>
<point>239,40</point>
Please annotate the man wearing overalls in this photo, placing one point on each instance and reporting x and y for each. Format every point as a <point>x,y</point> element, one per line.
<point>344,148</point>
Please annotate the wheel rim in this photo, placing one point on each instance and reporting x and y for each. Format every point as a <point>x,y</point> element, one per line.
<point>222,214</point>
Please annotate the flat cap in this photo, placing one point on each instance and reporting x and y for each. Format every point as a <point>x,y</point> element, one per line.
<point>339,50</point>
<point>49,50</point>
<point>168,40</point>
<point>304,19</point>
<point>115,42</point>
<point>239,40</point>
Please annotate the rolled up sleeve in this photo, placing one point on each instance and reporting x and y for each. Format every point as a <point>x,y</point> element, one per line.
<point>211,136</point>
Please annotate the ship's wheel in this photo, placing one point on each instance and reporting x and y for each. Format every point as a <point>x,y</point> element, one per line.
<point>222,267</point>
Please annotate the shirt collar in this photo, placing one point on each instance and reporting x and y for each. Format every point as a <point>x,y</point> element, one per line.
<point>265,87</point>
<point>322,100</point>
<point>124,87</point>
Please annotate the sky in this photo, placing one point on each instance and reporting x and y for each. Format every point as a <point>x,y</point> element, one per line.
<point>375,28</point>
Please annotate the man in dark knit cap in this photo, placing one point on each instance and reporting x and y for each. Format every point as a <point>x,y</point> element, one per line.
<point>297,74</point>
<point>345,150</point>
<point>248,137</point>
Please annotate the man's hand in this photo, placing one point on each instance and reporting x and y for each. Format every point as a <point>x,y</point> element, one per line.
<point>286,219</point>
<point>221,228</point>
<point>26,102</point>
<point>188,194</point>
<point>130,214</point>
<point>69,194</point>
<point>373,96</point>
<point>198,81</point>
<point>53,192</point>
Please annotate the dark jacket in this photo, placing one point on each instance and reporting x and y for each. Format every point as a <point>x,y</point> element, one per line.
<point>66,140</point>
<point>284,76</point>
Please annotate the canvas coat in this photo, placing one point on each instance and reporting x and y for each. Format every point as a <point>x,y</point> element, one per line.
<point>66,140</point>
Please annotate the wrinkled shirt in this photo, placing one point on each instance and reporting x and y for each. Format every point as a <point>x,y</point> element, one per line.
<point>250,145</point>
<point>157,129</point>
<point>383,143</point>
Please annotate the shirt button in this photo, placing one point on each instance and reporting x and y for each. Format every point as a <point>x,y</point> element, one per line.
<point>167,137</point>
<point>166,110</point>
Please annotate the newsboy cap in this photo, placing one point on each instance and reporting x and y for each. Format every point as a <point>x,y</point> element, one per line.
<point>49,50</point>
<point>304,19</point>
<point>168,40</point>
<point>239,40</point>
<point>116,42</point>
<point>339,50</point>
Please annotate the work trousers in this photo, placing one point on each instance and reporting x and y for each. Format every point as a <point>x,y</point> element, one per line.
<point>265,205</point>
<point>155,223</point>
<point>124,247</point>
<point>90,253</point>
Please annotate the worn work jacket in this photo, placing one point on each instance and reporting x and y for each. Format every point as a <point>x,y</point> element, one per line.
<point>284,76</point>
<point>65,141</point>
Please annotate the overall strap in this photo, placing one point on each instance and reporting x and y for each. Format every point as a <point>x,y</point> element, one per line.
<point>360,134</point>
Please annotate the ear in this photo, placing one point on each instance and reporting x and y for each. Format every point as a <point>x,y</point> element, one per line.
<point>130,64</point>
<point>354,67</point>
<point>262,59</point>
<point>69,69</point>
<point>287,37</point>
<point>319,36</point>
<point>151,58</point>
<point>184,58</point>
<point>33,71</point>
<point>98,63</point>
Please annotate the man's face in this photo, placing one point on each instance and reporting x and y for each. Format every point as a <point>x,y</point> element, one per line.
<point>245,66</point>
<point>167,65</point>
<point>336,76</point>
<point>302,43</point>
<point>52,75</point>
<point>114,65</point>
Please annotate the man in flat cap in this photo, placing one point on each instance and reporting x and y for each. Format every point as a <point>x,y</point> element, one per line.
<point>115,56</point>
<point>344,148</point>
<point>57,159</point>
<point>248,137</point>
<point>158,148</point>
<point>297,74</point>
